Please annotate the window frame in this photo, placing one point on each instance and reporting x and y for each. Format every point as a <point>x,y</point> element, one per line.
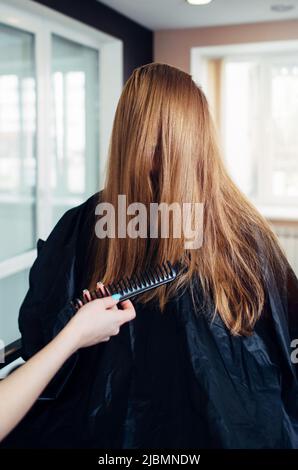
<point>42,22</point>
<point>265,195</point>
<point>199,58</point>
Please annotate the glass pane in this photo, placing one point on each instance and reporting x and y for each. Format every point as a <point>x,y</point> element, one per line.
<point>75,123</point>
<point>12,293</point>
<point>284,103</point>
<point>241,123</point>
<point>17,142</point>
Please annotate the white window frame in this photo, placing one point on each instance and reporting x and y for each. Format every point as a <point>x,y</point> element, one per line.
<point>280,208</point>
<point>265,168</point>
<point>42,22</point>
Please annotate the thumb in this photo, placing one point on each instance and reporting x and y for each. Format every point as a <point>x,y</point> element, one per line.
<point>108,302</point>
<point>127,313</point>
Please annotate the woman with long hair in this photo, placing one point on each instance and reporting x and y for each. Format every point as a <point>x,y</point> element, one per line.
<point>207,361</point>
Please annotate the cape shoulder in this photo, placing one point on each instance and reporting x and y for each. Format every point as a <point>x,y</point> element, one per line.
<point>52,277</point>
<point>71,221</point>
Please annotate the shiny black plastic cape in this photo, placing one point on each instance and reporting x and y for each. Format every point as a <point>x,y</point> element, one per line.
<point>170,380</point>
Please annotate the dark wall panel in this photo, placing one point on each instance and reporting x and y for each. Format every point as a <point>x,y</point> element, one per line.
<point>137,40</point>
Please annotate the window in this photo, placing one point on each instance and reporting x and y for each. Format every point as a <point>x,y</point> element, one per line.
<point>17,142</point>
<point>59,85</point>
<point>259,119</point>
<point>17,164</point>
<point>74,125</point>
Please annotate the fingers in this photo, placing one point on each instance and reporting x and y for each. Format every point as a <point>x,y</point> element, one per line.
<point>128,313</point>
<point>127,305</point>
<point>119,317</point>
<point>79,303</point>
<point>100,286</point>
<point>107,302</point>
<point>87,295</point>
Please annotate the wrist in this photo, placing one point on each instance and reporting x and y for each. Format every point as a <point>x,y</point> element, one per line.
<point>70,339</point>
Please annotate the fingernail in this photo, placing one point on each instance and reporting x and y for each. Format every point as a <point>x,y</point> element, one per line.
<point>116,296</point>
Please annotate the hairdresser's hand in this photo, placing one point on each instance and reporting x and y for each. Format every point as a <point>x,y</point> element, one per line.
<point>94,322</point>
<point>98,320</point>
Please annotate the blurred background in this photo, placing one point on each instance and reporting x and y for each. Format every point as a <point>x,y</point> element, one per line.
<point>63,64</point>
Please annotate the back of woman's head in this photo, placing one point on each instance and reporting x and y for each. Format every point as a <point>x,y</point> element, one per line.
<point>163,149</point>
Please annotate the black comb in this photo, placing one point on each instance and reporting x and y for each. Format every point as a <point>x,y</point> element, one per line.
<point>135,285</point>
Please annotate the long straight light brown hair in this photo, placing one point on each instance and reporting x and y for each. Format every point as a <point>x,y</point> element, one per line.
<point>163,149</point>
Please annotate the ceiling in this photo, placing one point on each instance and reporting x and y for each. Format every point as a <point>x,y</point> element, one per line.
<point>167,14</point>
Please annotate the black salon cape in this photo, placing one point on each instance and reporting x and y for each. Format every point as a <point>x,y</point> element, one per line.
<point>170,380</point>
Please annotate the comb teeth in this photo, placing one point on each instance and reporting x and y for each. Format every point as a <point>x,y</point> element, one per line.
<point>135,285</point>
